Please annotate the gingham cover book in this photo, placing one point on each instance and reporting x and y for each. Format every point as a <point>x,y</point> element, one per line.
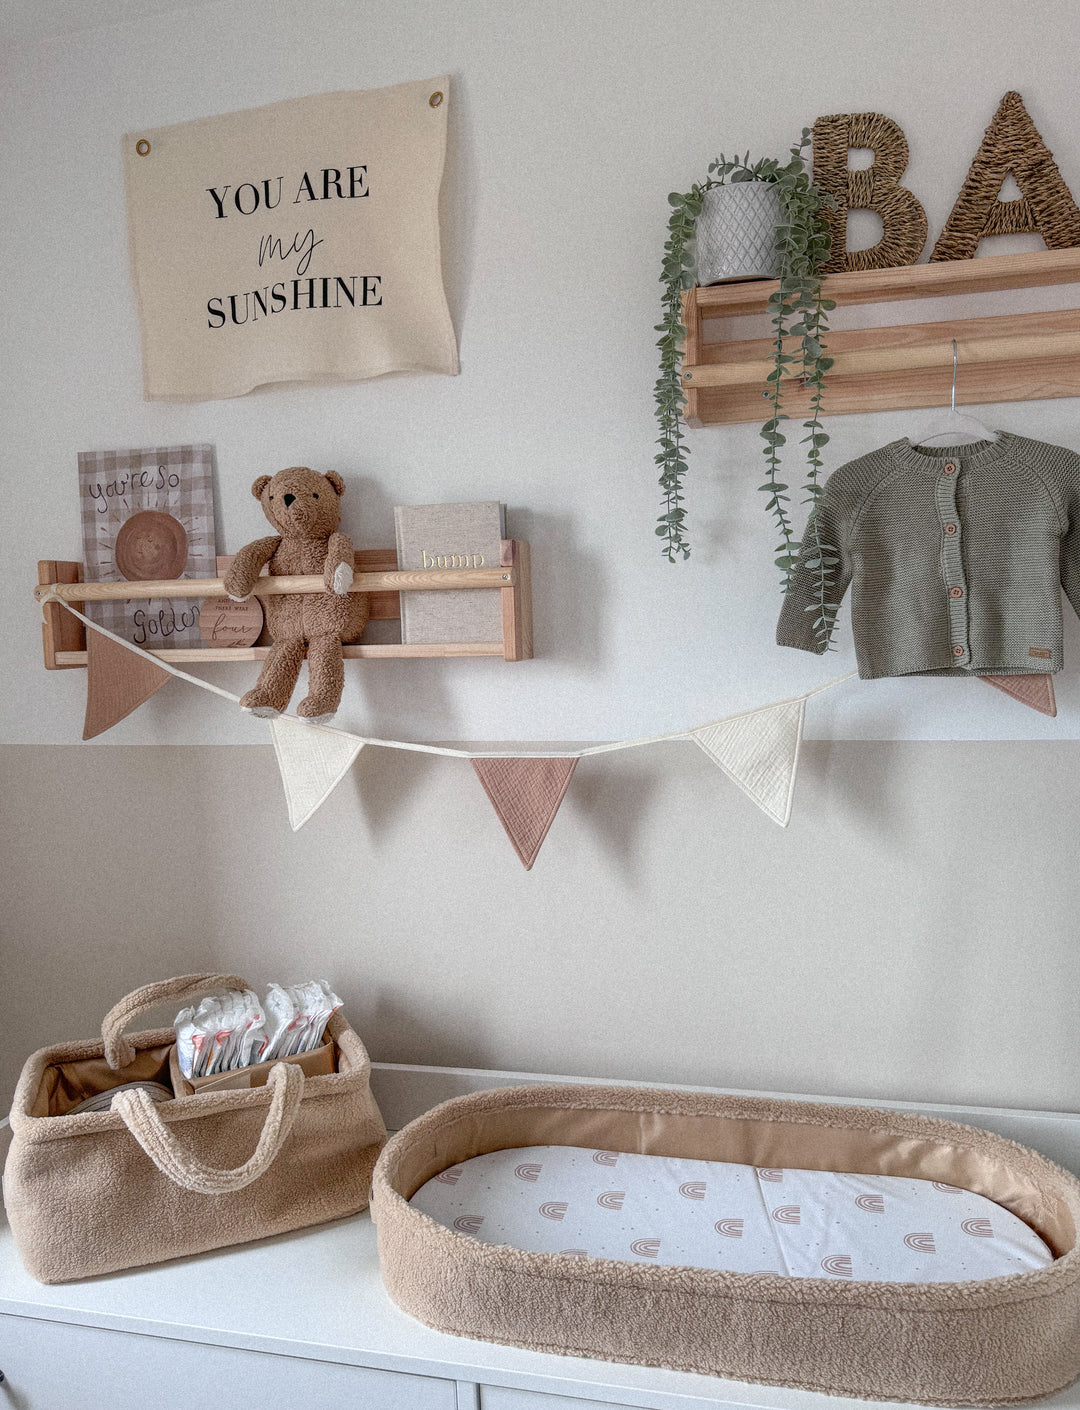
<point>114,485</point>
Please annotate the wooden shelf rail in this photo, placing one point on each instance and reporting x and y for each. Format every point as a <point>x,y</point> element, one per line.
<point>64,636</point>
<point>1007,357</point>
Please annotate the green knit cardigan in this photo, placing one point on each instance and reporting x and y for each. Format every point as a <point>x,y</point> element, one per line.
<point>955,557</point>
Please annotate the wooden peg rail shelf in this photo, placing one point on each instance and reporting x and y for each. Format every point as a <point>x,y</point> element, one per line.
<point>1008,357</point>
<point>375,571</point>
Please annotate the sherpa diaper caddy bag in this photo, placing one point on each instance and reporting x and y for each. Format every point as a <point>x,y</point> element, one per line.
<point>284,1145</point>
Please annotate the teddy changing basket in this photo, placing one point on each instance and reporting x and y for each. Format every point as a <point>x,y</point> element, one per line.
<point>978,1303</point>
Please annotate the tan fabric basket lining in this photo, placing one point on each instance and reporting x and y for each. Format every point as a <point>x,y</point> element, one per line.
<point>762,1143</point>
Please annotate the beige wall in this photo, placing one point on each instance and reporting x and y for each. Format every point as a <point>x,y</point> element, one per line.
<point>913,933</point>
<point>906,937</point>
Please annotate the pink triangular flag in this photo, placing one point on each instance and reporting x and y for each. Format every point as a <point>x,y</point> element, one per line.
<point>1035,691</point>
<point>117,682</point>
<point>525,794</point>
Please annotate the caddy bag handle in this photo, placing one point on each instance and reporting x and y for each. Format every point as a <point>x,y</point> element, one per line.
<point>119,1051</point>
<point>142,1118</point>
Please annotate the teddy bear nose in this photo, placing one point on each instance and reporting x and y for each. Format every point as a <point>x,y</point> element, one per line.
<point>289,499</point>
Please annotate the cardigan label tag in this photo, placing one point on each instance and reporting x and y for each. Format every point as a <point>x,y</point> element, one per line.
<point>1039,651</point>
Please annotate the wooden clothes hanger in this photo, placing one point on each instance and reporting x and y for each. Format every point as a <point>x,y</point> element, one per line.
<point>958,429</point>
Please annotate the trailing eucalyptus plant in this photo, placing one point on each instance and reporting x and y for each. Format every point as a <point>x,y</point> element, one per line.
<point>799,320</point>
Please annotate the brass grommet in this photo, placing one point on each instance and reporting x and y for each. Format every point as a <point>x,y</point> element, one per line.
<point>142,146</point>
<point>435,99</point>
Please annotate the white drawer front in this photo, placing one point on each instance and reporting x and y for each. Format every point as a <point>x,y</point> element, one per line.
<point>501,1398</point>
<point>57,1366</point>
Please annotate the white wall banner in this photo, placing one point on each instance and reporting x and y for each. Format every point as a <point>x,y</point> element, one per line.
<point>294,242</point>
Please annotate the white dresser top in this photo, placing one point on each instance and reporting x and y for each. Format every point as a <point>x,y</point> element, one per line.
<point>317,1293</point>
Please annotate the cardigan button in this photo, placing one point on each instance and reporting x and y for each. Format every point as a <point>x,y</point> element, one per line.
<point>958,651</point>
<point>950,528</point>
<point>950,469</point>
<point>956,592</point>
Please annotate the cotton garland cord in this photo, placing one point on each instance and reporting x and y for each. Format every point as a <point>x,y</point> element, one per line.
<point>146,655</point>
<point>443,750</point>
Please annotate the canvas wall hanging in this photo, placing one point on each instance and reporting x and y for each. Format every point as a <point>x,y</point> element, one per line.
<point>294,242</point>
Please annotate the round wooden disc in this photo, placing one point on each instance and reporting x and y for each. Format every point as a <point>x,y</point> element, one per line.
<point>151,545</point>
<point>223,622</point>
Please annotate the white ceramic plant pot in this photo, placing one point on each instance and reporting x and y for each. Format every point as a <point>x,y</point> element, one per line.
<point>736,233</point>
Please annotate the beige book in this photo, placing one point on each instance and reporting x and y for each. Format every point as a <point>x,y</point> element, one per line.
<point>450,536</point>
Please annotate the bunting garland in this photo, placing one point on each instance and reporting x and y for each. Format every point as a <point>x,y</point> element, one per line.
<point>758,749</point>
<point>116,682</point>
<point>760,752</point>
<point>312,761</point>
<point>1036,692</point>
<point>526,794</point>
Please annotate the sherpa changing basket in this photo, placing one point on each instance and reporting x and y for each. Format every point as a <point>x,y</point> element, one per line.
<point>94,1192</point>
<point>996,1341</point>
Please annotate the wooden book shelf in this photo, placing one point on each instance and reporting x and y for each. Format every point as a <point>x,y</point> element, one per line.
<point>1008,357</point>
<point>64,636</point>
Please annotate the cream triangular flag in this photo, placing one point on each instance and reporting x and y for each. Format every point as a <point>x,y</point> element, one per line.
<point>313,761</point>
<point>117,682</point>
<point>760,752</point>
<point>526,794</point>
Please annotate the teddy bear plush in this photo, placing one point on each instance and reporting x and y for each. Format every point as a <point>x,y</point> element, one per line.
<point>304,508</point>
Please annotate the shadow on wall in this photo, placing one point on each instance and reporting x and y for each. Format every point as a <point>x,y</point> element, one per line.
<point>614,805</point>
<point>457,213</point>
<point>420,1035</point>
<point>367,508</point>
<point>857,784</point>
<point>385,784</point>
<point>569,589</point>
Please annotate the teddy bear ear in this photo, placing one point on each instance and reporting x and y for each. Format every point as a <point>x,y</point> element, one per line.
<point>260,485</point>
<point>337,482</point>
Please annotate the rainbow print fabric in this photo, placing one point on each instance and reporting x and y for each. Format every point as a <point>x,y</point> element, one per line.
<point>710,1214</point>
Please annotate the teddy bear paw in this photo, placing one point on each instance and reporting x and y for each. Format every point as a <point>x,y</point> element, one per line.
<point>315,711</point>
<point>343,576</point>
<point>256,703</point>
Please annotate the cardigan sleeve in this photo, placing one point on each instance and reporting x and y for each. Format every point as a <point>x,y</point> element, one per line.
<point>1069,558</point>
<point>801,616</point>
